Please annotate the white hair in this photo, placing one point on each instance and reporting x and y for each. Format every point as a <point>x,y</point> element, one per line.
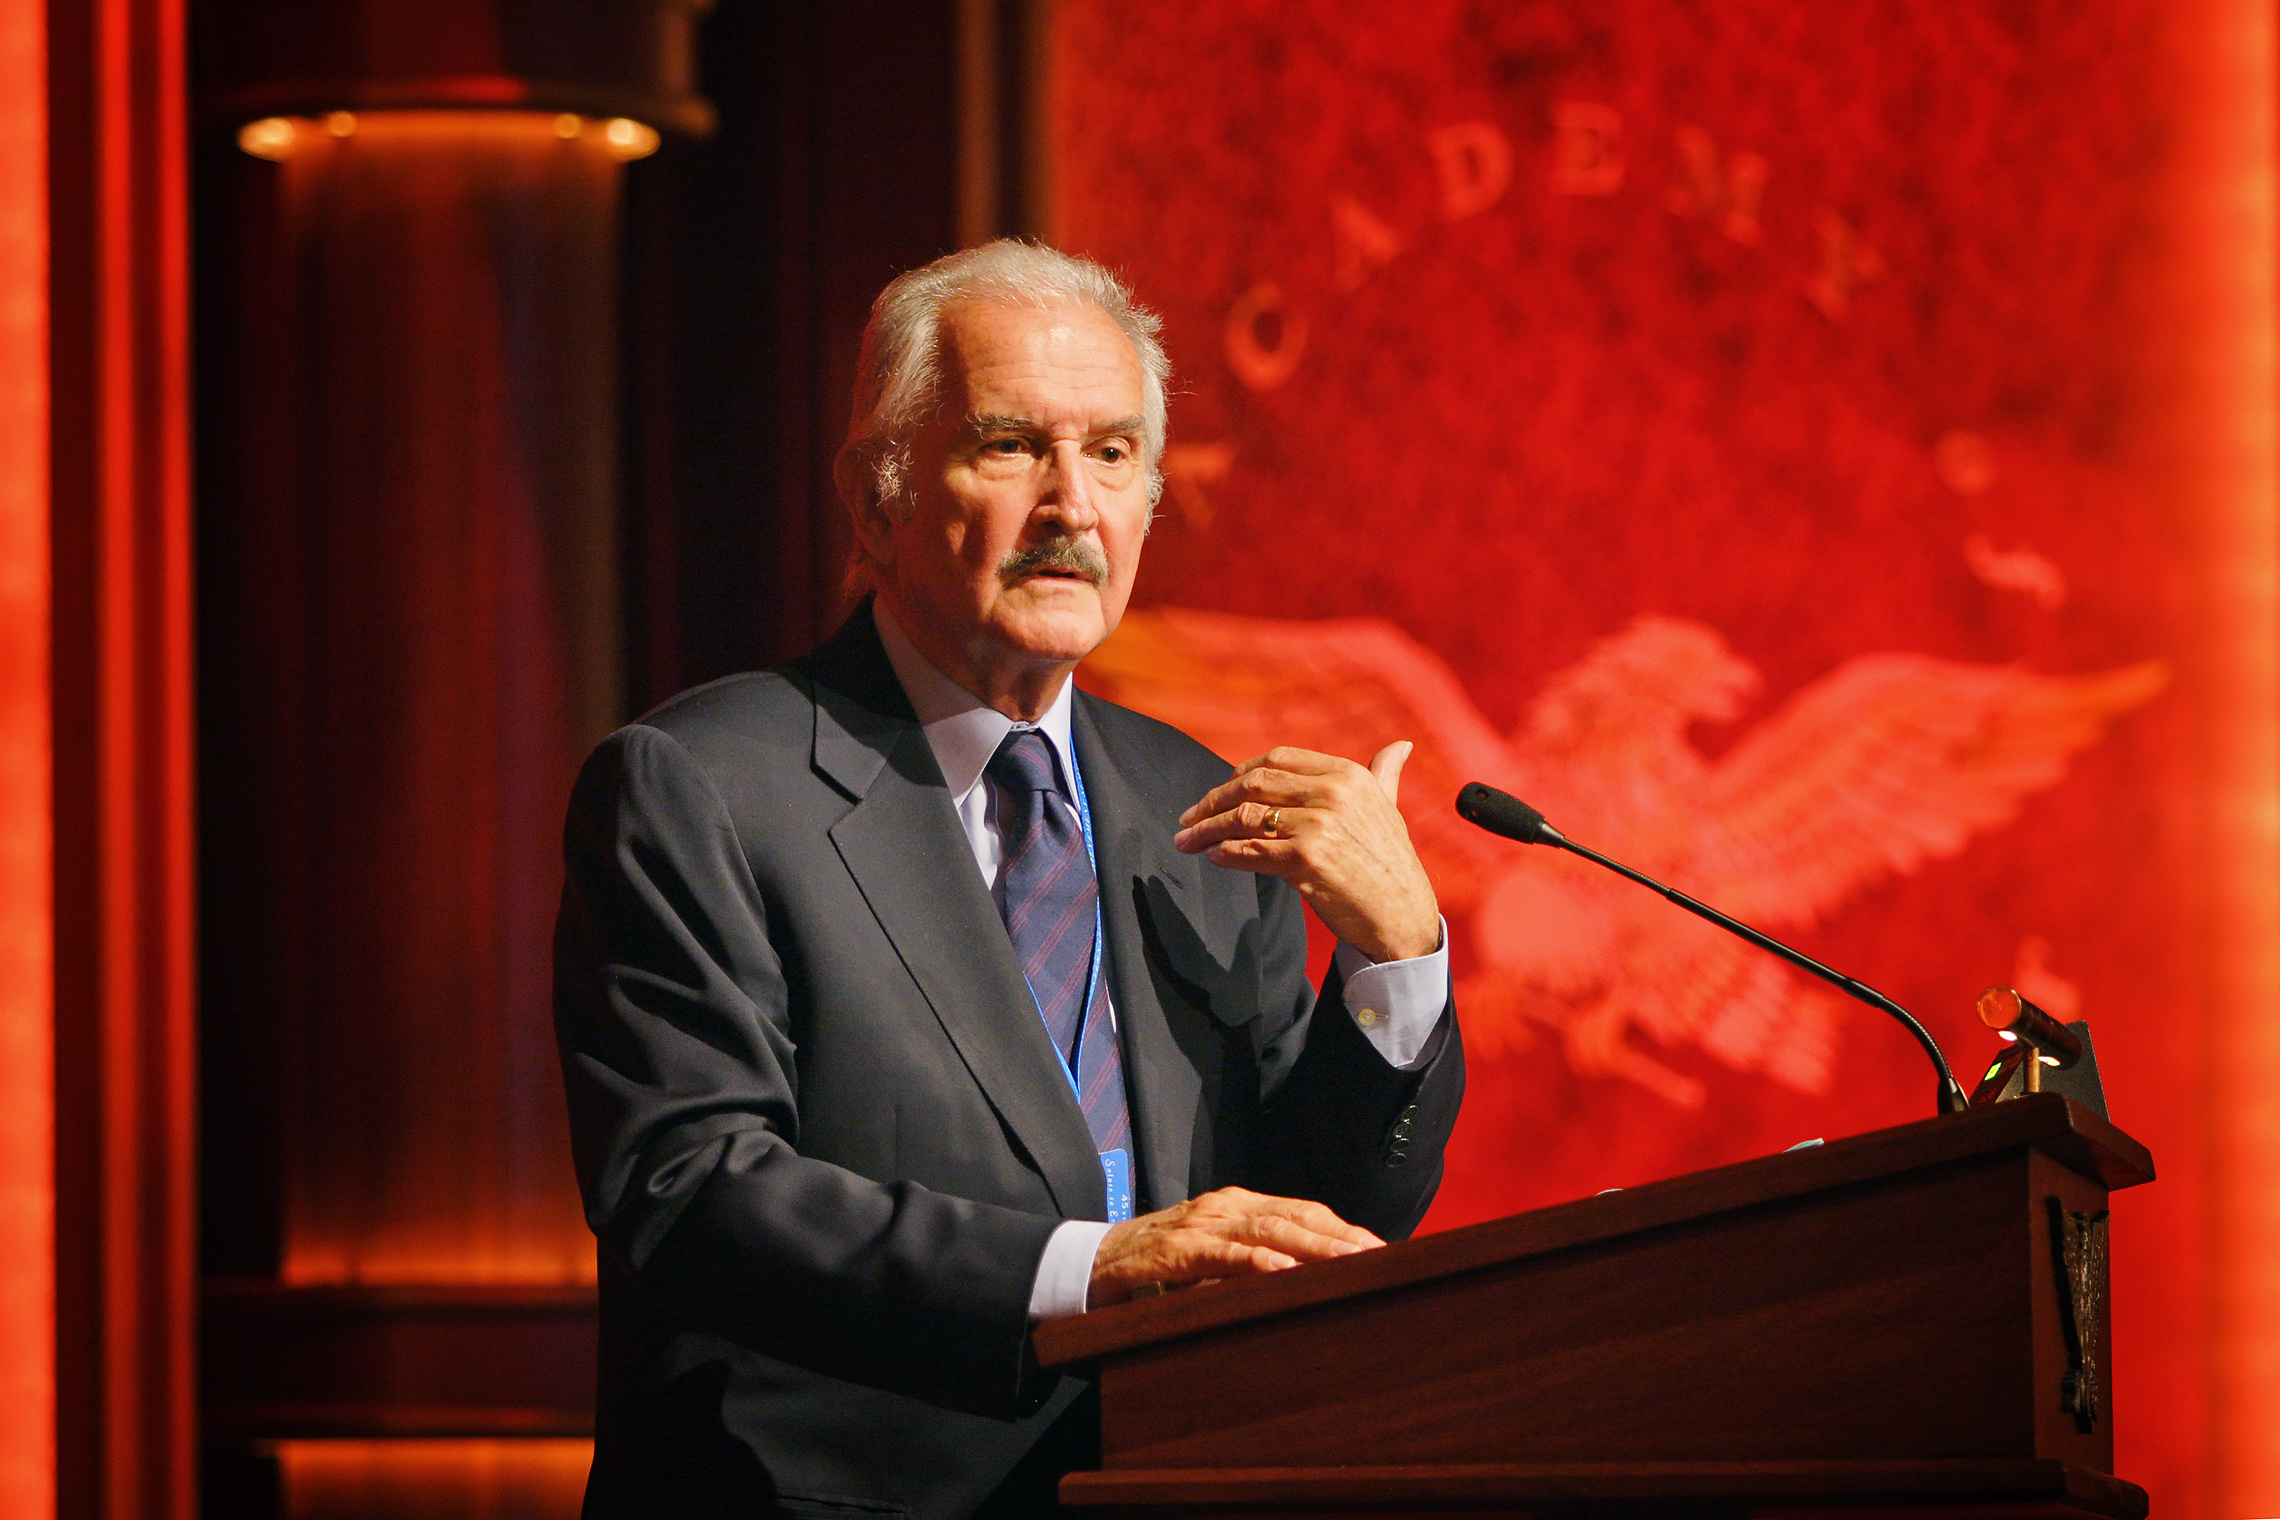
<point>898,378</point>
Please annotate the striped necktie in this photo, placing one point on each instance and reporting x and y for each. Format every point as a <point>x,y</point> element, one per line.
<point>1049,897</point>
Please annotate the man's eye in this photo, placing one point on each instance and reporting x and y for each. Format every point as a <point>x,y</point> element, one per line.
<point>1113,453</point>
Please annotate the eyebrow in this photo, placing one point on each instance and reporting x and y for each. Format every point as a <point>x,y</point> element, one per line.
<point>988,423</point>
<point>992,423</point>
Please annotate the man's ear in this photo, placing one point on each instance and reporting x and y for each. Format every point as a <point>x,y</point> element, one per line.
<point>857,484</point>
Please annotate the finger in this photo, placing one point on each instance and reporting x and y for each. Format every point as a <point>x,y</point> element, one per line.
<point>1387,767</point>
<point>1296,1240</point>
<point>1184,1261</point>
<point>1318,1218</point>
<point>1246,820</point>
<point>1288,757</point>
<point>1204,1256</point>
<point>1267,857</point>
<point>1275,788</point>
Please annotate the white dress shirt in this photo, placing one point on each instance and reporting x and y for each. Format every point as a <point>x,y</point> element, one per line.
<point>1396,1004</point>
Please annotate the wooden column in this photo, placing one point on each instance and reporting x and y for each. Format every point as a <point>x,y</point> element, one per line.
<point>119,294</point>
<point>436,578</point>
<point>410,635</point>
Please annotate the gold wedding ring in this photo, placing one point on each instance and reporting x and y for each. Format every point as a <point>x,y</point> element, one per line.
<point>1274,823</point>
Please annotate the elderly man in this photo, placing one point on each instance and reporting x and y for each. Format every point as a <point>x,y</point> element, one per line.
<point>908,997</point>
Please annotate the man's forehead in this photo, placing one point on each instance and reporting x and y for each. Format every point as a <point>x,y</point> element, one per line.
<point>990,341</point>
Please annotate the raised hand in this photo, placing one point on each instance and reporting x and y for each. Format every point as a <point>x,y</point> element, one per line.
<point>1332,830</point>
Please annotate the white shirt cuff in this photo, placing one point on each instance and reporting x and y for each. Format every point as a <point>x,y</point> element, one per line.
<point>1396,1004</point>
<point>1064,1272</point>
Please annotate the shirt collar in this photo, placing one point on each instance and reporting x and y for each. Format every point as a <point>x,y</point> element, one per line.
<point>962,729</point>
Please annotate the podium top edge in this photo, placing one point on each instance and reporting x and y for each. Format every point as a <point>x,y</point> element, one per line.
<point>2049,1122</point>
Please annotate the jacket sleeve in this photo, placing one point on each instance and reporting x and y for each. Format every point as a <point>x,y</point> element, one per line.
<point>1346,1128</point>
<point>674,1023</point>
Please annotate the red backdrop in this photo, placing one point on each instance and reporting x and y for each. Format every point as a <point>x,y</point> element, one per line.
<point>1509,324</point>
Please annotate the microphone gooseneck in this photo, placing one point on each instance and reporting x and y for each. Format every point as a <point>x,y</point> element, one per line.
<point>1504,814</point>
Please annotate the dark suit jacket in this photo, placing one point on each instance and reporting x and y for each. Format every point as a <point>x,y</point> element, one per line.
<point>822,1134</point>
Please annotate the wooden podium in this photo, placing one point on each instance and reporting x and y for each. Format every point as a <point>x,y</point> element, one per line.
<point>1911,1321</point>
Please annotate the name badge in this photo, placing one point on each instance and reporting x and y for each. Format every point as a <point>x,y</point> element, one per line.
<point>1116,1167</point>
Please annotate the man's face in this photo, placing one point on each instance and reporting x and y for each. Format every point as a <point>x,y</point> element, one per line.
<point>1030,496</point>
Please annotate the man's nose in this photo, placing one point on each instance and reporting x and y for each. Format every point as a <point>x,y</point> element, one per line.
<point>1066,490</point>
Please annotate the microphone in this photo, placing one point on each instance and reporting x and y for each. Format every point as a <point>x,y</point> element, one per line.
<point>2015,1019</point>
<point>1504,814</point>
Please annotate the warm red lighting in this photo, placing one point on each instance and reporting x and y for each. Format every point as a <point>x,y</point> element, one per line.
<point>439,1480</point>
<point>2230,220</point>
<point>400,1258</point>
<point>27,1191</point>
<point>272,137</point>
<point>278,138</point>
<point>1745,334</point>
<point>630,139</point>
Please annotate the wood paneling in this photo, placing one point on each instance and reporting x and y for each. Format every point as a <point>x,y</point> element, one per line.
<point>400,1362</point>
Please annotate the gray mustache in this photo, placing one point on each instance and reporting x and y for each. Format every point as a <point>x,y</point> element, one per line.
<point>1055,554</point>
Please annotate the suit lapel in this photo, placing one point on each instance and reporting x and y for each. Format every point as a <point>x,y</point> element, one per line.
<point>903,845</point>
<point>1135,844</point>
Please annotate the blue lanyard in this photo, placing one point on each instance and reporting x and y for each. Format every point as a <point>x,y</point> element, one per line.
<point>1116,1165</point>
<point>1084,823</point>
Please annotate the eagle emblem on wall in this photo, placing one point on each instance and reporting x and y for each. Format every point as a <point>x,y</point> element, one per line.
<point>1866,773</point>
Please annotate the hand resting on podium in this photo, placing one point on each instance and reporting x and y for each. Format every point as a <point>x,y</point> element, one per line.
<point>1232,1232</point>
